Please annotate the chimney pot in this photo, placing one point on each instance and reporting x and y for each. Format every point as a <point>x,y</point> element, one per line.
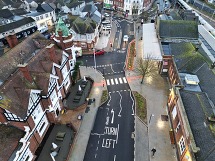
<point>24,69</point>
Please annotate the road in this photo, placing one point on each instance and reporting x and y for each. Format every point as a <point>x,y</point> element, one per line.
<point>112,137</point>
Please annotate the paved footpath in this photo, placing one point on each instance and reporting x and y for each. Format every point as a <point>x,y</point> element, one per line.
<point>155,91</point>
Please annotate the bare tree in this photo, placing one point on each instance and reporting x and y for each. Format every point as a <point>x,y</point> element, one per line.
<point>146,67</point>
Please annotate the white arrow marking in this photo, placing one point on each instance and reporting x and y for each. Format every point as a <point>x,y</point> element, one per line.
<point>112,111</point>
<point>108,104</point>
<point>114,158</point>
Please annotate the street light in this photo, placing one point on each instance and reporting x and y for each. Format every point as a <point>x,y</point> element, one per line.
<point>151,117</point>
<point>94,57</point>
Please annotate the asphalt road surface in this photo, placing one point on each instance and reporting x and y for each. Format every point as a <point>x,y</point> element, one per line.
<point>112,137</point>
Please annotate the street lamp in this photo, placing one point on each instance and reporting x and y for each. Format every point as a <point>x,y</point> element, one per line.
<point>151,117</point>
<point>94,55</point>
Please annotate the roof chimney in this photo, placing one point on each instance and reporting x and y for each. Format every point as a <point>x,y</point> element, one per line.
<point>52,54</point>
<point>25,72</point>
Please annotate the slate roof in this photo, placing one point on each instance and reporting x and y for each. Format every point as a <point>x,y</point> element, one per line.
<point>14,4</point>
<point>178,29</point>
<point>90,8</point>
<point>19,11</point>
<point>198,108</point>
<point>74,4</point>
<point>83,25</point>
<point>9,138</point>
<point>17,24</point>
<point>186,58</point>
<point>6,13</point>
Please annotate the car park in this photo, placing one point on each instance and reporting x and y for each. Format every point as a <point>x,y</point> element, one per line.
<point>99,52</point>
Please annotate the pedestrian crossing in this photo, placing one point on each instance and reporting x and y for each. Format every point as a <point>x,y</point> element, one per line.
<point>116,81</point>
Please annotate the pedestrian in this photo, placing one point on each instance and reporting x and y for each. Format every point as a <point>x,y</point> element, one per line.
<point>153,151</point>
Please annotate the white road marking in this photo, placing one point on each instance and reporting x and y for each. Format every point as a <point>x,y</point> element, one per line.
<point>132,104</point>
<point>98,141</point>
<point>116,80</point>
<point>95,155</point>
<point>107,120</point>
<point>97,148</point>
<point>108,104</point>
<point>117,135</point>
<point>124,79</point>
<point>120,105</point>
<point>112,82</point>
<point>112,111</point>
<point>114,159</point>
<point>120,80</point>
<point>111,67</point>
<point>108,82</point>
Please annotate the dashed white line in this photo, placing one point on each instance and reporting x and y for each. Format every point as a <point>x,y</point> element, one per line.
<point>124,79</point>
<point>116,80</point>
<point>120,80</point>
<point>112,82</point>
<point>108,82</point>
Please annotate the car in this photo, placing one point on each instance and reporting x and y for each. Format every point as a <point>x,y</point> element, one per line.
<point>125,38</point>
<point>99,52</point>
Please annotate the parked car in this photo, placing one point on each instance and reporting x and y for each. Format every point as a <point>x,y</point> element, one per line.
<point>125,38</point>
<point>99,52</point>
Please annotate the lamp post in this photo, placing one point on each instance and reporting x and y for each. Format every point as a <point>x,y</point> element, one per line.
<point>151,117</point>
<point>94,55</point>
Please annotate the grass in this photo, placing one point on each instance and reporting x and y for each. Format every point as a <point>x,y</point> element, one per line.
<point>104,96</point>
<point>140,106</point>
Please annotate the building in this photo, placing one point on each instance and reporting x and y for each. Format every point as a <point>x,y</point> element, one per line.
<point>35,77</point>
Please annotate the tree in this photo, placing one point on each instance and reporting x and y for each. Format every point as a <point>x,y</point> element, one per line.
<point>146,67</point>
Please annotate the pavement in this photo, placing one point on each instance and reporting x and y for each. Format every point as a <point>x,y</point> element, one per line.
<point>153,134</point>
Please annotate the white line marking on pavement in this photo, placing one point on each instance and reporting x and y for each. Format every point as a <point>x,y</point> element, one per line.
<point>96,134</point>
<point>108,104</point>
<point>120,80</point>
<point>117,134</point>
<point>120,105</point>
<point>114,159</point>
<point>112,111</point>
<point>116,80</point>
<point>108,82</point>
<point>124,79</point>
<point>98,141</point>
<point>112,82</point>
<point>95,155</point>
<point>132,104</point>
<point>97,148</point>
<point>111,67</point>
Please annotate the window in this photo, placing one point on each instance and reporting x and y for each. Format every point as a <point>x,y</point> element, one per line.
<point>177,127</point>
<point>37,18</point>
<point>47,15</point>
<point>174,112</point>
<point>41,17</point>
<point>42,127</point>
<point>182,144</point>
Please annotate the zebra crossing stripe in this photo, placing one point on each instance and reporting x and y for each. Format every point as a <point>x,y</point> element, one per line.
<point>112,82</point>
<point>116,80</point>
<point>108,82</point>
<point>124,79</point>
<point>120,80</point>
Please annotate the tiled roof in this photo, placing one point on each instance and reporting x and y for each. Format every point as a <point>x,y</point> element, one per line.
<point>6,13</point>
<point>197,107</point>
<point>16,90</point>
<point>17,24</point>
<point>178,29</point>
<point>22,52</point>
<point>9,138</point>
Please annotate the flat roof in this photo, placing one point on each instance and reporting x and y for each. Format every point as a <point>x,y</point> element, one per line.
<point>64,144</point>
<point>150,42</point>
